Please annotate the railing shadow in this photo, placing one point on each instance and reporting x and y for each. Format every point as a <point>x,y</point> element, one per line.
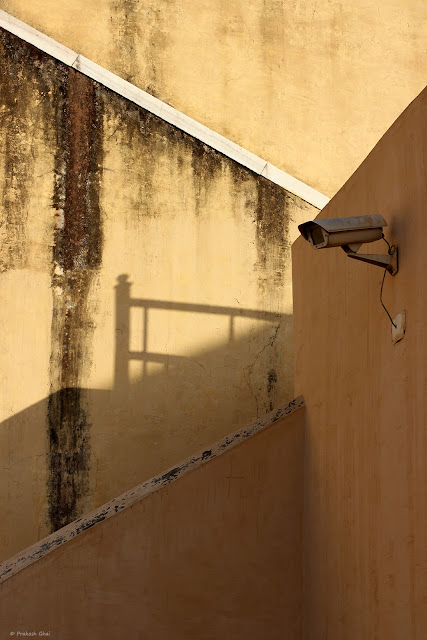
<point>125,302</point>
<point>113,439</point>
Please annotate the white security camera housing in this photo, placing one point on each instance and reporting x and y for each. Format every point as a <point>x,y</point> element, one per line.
<point>337,232</point>
<point>350,234</point>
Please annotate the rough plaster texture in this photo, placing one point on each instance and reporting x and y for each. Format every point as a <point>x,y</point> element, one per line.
<point>159,108</point>
<point>216,554</point>
<point>310,86</point>
<point>366,441</point>
<point>148,288</point>
<point>40,549</point>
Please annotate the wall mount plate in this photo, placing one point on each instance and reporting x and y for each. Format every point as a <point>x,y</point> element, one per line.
<point>398,332</point>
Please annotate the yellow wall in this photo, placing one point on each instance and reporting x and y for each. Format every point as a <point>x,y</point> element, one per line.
<point>216,554</point>
<point>366,439</point>
<point>27,148</point>
<point>309,86</point>
<point>125,235</point>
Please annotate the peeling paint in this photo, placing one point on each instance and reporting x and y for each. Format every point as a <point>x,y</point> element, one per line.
<point>110,509</point>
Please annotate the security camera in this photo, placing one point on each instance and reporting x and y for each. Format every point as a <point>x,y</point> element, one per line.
<point>338,232</point>
<point>350,234</point>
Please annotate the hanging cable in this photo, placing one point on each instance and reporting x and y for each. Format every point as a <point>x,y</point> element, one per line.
<point>390,249</point>
<point>390,252</point>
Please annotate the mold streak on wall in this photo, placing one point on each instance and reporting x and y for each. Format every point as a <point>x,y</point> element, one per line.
<point>24,110</point>
<point>164,270</point>
<point>76,256</point>
<point>310,86</point>
<point>126,32</point>
<point>14,117</point>
<point>272,226</point>
<point>30,85</point>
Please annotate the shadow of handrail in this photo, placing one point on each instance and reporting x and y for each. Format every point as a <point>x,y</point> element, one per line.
<point>125,302</point>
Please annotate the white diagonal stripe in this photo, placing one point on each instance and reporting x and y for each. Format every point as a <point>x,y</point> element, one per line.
<point>162,110</point>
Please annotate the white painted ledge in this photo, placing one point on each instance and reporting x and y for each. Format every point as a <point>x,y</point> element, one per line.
<point>40,549</point>
<point>162,110</point>
<point>39,40</point>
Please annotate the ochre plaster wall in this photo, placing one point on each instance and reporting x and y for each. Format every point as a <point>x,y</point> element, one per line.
<point>217,554</point>
<point>146,282</point>
<point>309,86</point>
<point>366,442</point>
<point>28,131</point>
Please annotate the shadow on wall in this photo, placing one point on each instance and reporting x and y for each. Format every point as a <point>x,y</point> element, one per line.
<point>125,303</point>
<point>102,442</point>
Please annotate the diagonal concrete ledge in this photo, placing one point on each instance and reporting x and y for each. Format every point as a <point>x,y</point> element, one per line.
<point>37,551</point>
<point>162,110</point>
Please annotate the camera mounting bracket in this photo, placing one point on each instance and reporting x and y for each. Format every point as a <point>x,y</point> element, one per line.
<point>388,261</point>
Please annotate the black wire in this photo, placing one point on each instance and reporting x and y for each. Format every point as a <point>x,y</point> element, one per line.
<point>389,248</point>
<point>381,298</point>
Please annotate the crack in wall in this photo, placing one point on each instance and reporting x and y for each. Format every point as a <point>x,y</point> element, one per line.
<point>259,393</point>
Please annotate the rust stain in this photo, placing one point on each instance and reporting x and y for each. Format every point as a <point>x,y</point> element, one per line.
<point>76,258</point>
<point>81,242</point>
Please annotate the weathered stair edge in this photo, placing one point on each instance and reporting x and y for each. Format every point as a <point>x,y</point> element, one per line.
<point>40,549</point>
<point>162,110</point>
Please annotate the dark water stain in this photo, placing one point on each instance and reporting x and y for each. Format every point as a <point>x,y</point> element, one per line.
<point>272,379</point>
<point>271,384</point>
<point>140,36</point>
<point>126,35</point>
<point>272,225</point>
<point>78,243</point>
<point>143,141</point>
<point>76,257</point>
<point>149,142</point>
<point>271,215</point>
<point>26,104</point>
<point>206,164</point>
<point>241,174</point>
<point>44,101</point>
<point>69,456</point>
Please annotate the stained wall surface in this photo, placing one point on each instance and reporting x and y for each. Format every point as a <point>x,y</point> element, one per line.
<point>216,554</point>
<point>146,295</point>
<point>365,524</point>
<point>309,86</point>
